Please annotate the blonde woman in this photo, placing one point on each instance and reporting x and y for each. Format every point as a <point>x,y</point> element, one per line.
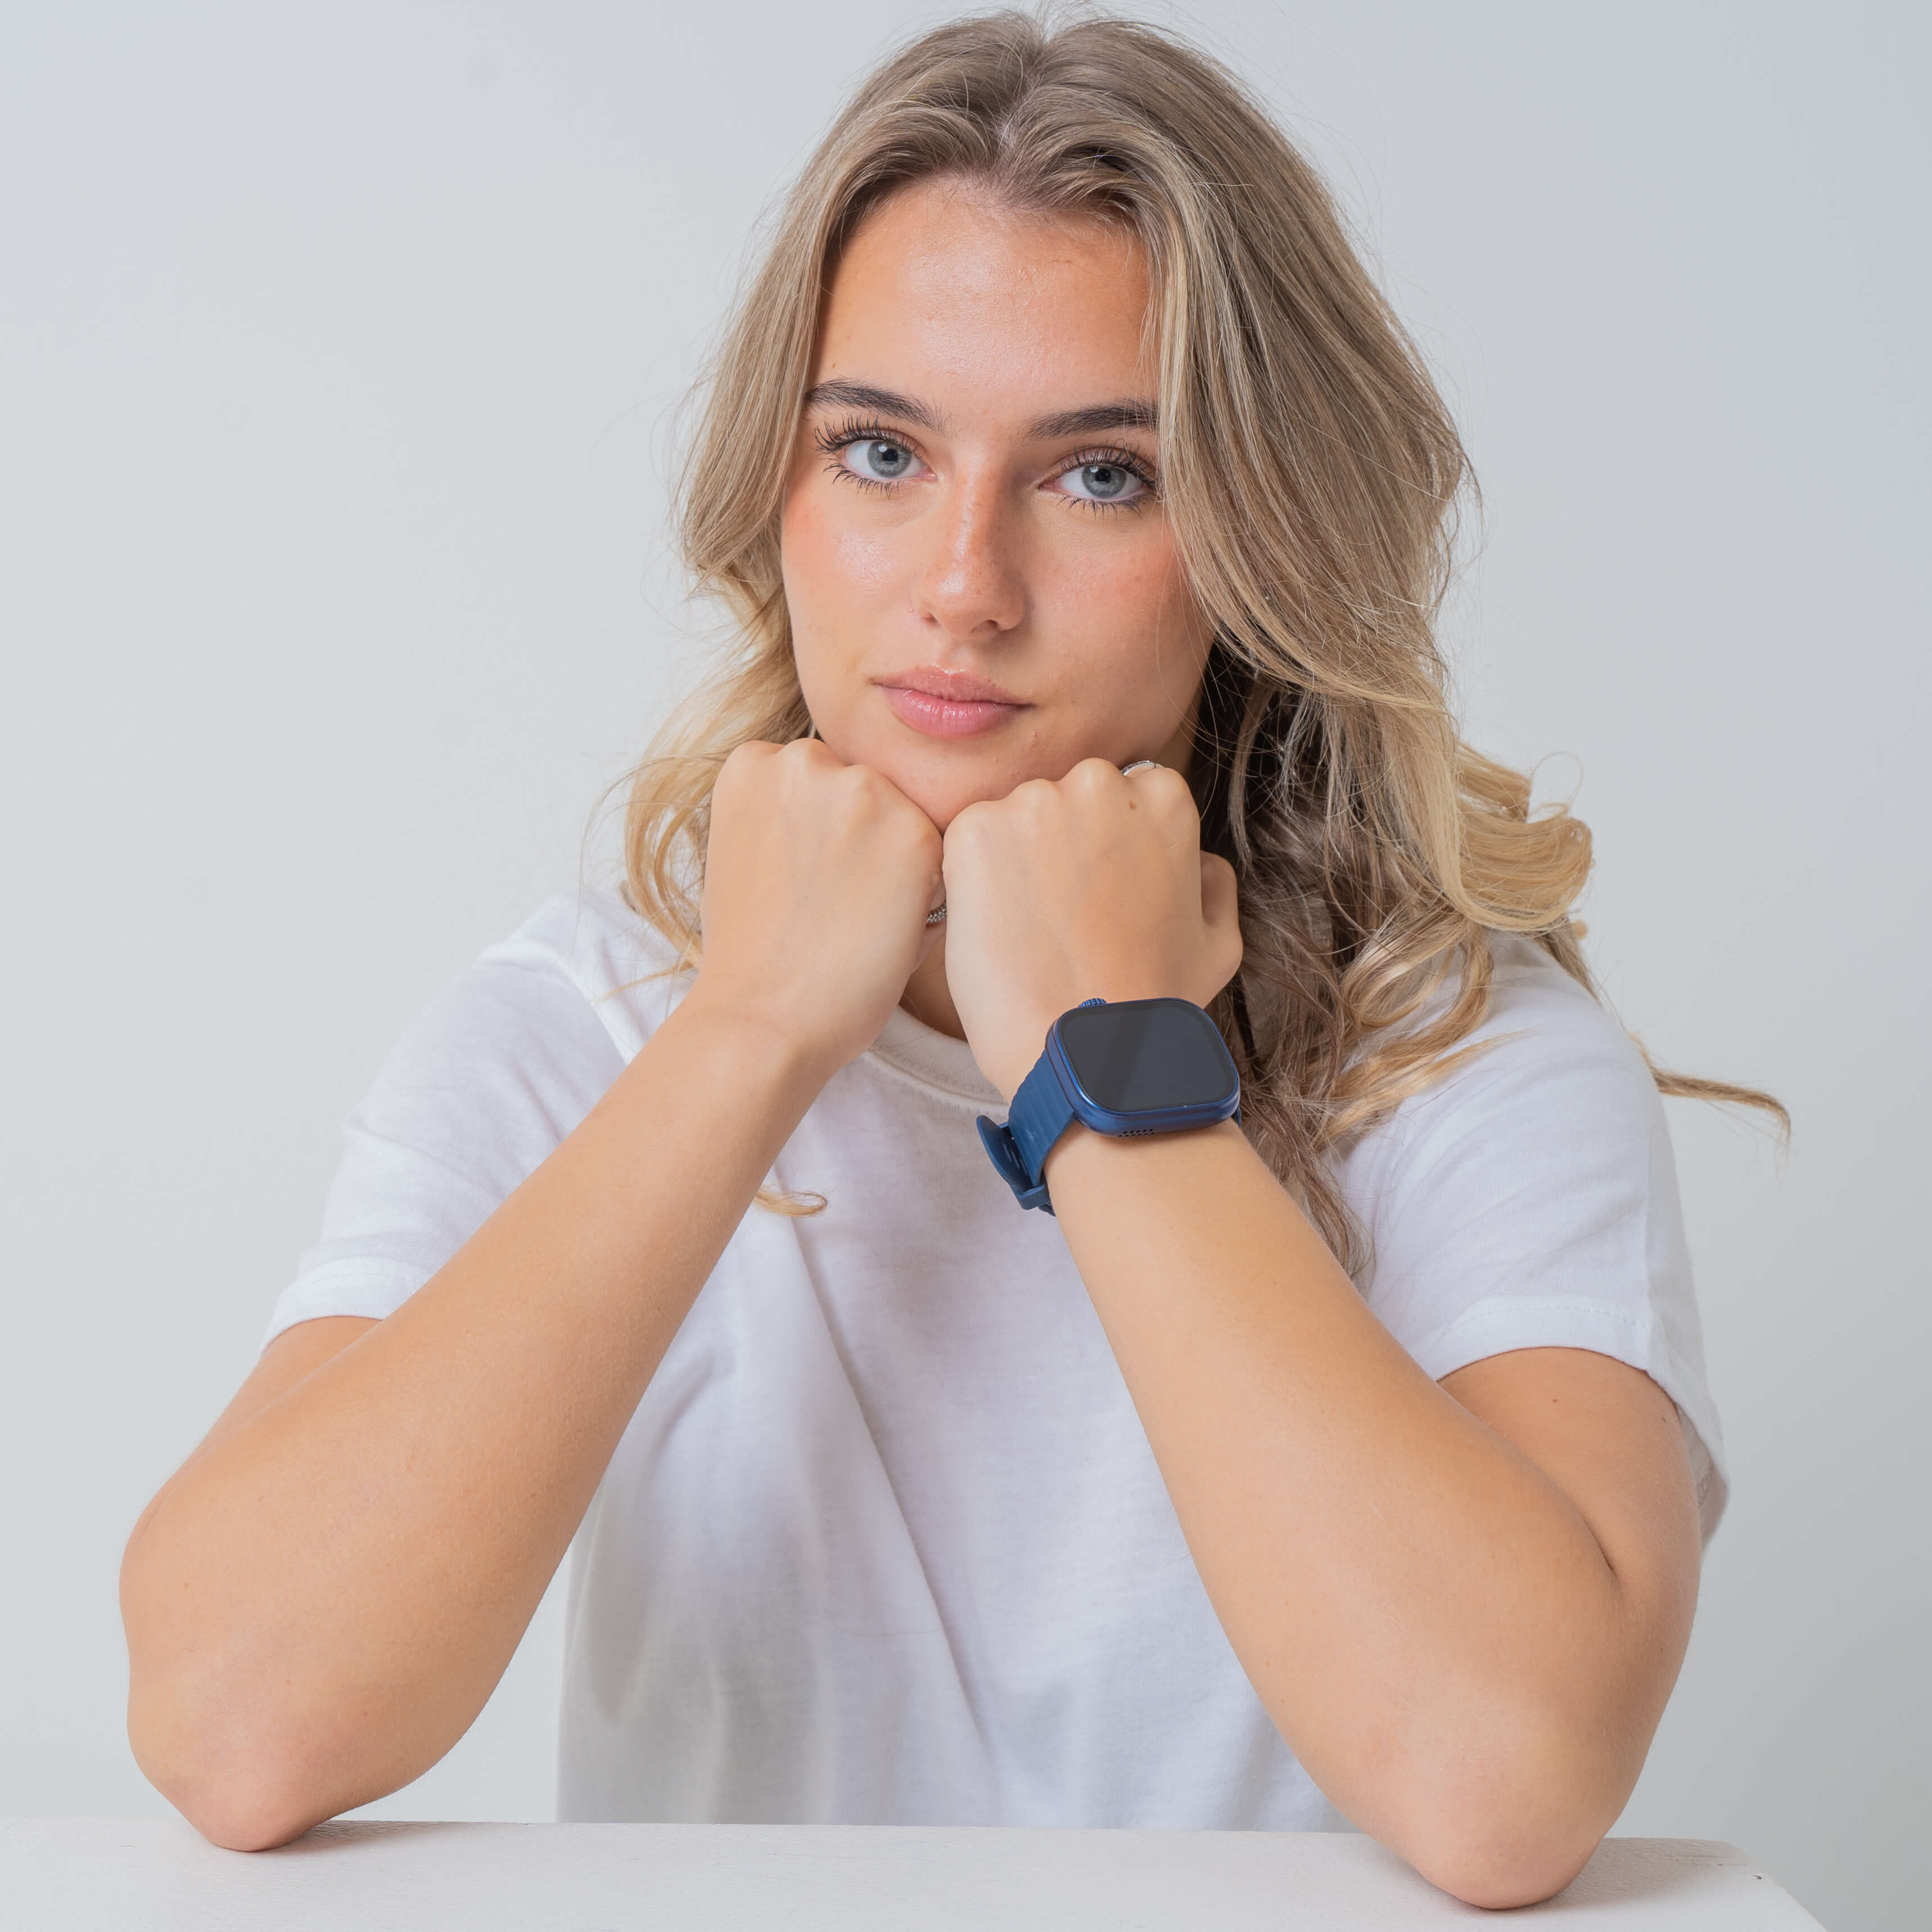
<point>1082,511</point>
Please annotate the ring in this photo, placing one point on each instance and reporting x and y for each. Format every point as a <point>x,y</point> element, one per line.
<point>938,916</point>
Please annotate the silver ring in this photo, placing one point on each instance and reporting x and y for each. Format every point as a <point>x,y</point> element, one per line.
<point>937,916</point>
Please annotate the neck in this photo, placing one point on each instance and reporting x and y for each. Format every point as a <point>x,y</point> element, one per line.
<point>928,998</point>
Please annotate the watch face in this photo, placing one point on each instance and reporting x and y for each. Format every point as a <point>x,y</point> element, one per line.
<point>1145,1054</point>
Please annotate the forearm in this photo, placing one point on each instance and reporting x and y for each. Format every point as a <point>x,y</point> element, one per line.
<point>320,1601</point>
<point>1432,1625</point>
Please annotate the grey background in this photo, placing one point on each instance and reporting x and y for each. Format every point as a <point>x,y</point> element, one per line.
<point>337,349</point>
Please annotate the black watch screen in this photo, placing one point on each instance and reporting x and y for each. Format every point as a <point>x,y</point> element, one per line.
<point>1144,1054</point>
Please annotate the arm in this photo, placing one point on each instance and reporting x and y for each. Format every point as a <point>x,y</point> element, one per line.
<point>1464,1606</point>
<point>319,1602</point>
<point>1465,1616</point>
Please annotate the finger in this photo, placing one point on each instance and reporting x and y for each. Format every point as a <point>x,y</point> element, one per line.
<point>1092,777</point>
<point>1167,798</point>
<point>1221,913</point>
<point>1220,896</point>
<point>966,826</point>
<point>815,753</point>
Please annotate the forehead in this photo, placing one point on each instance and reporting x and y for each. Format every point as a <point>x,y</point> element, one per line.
<point>990,317</point>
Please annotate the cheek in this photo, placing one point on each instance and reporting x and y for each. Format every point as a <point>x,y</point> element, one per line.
<point>807,550</point>
<point>840,587</point>
<point>1142,635</point>
<point>832,570</point>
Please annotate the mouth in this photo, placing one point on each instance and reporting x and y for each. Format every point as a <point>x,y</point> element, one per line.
<point>948,704</point>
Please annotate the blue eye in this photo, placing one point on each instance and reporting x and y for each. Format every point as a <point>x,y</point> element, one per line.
<point>1104,483</point>
<point>877,461</point>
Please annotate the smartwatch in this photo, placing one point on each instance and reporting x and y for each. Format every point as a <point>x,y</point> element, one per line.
<point>1138,1066</point>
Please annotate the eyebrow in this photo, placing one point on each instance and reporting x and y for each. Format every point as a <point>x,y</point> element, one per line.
<point>863,396</point>
<point>1102,416</point>
<point>1094,420</point>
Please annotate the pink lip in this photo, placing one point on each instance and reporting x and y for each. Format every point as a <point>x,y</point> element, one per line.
<point>948,704</point>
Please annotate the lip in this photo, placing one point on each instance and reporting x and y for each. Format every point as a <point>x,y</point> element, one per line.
<point>943,703</point>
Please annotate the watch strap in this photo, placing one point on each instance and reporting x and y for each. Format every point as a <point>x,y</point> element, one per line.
<point>1041,1112</point>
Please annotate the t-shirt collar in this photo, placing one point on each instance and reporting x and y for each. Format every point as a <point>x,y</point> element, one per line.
<point>935,1059</point>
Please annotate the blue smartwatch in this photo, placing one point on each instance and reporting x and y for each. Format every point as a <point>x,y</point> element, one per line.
<point>1139,1066</point>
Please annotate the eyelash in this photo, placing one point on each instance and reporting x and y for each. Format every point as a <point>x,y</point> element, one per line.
<point>834,440</point>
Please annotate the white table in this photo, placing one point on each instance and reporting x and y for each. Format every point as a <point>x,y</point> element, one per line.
<point>148,1875</point>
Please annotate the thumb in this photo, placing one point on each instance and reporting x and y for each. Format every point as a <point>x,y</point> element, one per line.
<point>1220,913</point>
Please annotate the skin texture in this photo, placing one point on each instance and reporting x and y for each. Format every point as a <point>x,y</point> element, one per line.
<point>984,559</point>
<point>1463,1604</point>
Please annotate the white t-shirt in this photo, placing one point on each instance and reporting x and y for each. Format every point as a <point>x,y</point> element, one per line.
<point>884,1542</point>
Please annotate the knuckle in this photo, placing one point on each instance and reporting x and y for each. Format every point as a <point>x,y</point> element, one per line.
<point>732,777</point>
<point>916,831</point>
<point>970,830</point>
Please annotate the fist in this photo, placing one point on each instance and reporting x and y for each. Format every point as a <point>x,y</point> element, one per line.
<point>817,878</point>
<point>1092,886</point>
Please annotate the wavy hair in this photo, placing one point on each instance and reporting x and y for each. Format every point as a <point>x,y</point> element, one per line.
<point>1313,477</point>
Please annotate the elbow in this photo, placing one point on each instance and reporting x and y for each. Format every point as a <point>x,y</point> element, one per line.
<point>1502,1869</point>
<point>1514,1826</point>
<point>245,1794</point>
<point>247,1817</point>
<point>220,1749</point>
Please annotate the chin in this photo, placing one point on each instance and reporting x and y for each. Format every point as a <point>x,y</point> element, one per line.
<point>942,797</point>
<point>941,787</point>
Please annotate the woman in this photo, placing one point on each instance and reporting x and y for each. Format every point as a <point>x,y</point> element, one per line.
<point>1082,511</point>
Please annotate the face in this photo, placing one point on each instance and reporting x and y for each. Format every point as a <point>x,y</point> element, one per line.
<point>983,580</point>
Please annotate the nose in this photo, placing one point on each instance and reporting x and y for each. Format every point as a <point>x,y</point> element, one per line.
<point>970,583</point>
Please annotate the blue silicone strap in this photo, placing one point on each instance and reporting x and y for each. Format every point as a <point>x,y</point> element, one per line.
<point>1041,1112</point>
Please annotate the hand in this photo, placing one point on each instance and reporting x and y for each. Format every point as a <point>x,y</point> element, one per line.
<point>817,879</point>
<point>1095,886</point>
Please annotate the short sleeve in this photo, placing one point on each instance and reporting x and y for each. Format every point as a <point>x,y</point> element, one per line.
<point>1530,1200</point>
<point>491,1078</point>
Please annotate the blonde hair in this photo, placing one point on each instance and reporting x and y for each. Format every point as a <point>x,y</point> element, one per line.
<point>1312,476</point>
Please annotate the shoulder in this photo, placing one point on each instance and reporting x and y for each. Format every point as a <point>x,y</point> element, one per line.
<point>544,1019</point>
<point>592,946</point>
<point>482,1086</point>
<point>1532,999</point>
<point>591,938</point>
<point>1548,1051</point>
<point>1542,1156</point>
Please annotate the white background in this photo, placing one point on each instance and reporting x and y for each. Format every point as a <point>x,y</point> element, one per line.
<point>339,348</point>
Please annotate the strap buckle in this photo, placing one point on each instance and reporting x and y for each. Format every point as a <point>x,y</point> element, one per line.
<point>1003,1152</point>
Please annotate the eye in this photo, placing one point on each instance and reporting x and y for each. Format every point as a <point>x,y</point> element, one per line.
<point>877,459</point>
<point>1105,479</point>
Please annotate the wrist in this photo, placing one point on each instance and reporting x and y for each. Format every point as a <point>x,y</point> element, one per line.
<point>1128,1069</point>
<point>1022,1041</point>
<point>1013,1064</point>
<point>747,1043</point>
